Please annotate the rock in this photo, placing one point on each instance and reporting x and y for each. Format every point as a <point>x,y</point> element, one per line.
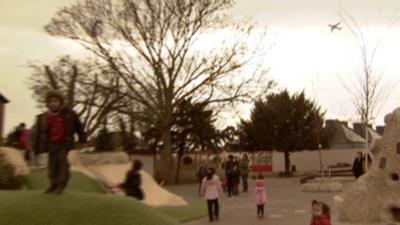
<point>15,158</point>
<point>375,196</point>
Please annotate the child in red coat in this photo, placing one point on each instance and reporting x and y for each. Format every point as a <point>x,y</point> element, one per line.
<point>320,213</point>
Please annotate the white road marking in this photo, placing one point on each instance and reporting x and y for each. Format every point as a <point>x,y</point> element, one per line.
<point>275,216</point>
<point>300,211</point>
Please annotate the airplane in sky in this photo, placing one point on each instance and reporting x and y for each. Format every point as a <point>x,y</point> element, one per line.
<point>335,26</point>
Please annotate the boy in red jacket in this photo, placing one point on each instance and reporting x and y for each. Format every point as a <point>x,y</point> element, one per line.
<point>320,213</point>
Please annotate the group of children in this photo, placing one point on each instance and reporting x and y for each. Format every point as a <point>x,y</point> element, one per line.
<point>212,190</point>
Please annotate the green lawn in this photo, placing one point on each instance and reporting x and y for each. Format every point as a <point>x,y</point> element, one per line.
<point>195,210</point>
<point>37,180</point>
<point>76,208</point>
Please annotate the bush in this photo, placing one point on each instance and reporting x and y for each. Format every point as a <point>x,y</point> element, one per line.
<point>104,141</point>
<point>8,179</point>
<point>216,160</point>
<point>187,161</point>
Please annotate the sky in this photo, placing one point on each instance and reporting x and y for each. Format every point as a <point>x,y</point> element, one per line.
<point>305,54</point>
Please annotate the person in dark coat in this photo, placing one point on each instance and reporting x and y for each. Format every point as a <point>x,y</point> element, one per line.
<point>133,181</point>
<point>54,133</point>
<point>235,174</point>
<point>24,144</point>
<point>201,173</point>
<point>228,166</point>
<point>244,166</point>
<point>358,165</point>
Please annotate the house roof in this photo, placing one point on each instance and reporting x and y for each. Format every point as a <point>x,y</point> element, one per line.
<point>373,134</point>
<point>3,99</point>
<point>351,136</point>
<point>345,137</point>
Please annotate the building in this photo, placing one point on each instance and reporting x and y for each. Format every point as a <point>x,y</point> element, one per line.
<point>344,147</point>
<point>345,137</point>
<point>380,130</point>
<point>359,128</point>
<point>3,102</point>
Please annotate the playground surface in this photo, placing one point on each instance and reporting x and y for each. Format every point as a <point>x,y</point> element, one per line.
<point>287,204</point>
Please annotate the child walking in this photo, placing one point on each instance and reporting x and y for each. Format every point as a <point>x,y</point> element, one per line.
<point>211,189</point>
<point>320,213</point>
<point>261,196</point>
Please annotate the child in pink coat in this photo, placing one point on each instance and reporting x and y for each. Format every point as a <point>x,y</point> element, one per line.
<point>261,196</point>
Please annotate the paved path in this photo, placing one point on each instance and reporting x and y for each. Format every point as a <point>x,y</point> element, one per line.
<point>287,204</point>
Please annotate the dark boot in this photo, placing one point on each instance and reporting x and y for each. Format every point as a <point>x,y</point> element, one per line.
<point>50,189</point>
<point>59,191</point>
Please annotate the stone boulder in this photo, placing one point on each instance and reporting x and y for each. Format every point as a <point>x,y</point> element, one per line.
<point>15,158</point>
<point>375,196</point>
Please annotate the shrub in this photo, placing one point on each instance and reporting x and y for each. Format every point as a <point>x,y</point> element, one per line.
<point>104,141</point>
<point>187,160</point>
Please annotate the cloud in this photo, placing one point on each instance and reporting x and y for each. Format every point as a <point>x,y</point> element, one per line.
<point>312,12</point>
<point>29,14</point>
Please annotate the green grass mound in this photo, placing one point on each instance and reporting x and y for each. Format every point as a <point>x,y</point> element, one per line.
<point>196,209</point>
<point>37,180</point>
<point>76,208</point>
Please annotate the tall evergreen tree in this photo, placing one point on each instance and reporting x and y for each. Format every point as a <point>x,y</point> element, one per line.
<point>104,140</point>
<point>193,129</point>
<point>283,122</point>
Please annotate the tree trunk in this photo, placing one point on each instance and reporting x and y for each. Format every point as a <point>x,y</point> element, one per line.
<point>178,166</point>
<point>166,165</point>
<point>320,163</point>
<point>287,162</point>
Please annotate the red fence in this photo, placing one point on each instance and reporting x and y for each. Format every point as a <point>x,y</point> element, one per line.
<point>261,168</point>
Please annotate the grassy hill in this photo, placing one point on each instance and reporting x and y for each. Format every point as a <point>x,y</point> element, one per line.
<point>37,180</point>
<point>76,208</point>
<point>85,203</point>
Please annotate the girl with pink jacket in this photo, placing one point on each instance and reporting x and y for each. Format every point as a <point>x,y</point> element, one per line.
<point>261,196</point>
<point>211,189</point>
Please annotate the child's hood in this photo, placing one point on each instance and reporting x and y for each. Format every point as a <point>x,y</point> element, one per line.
<point>214,180</point>
<point>260,183</point>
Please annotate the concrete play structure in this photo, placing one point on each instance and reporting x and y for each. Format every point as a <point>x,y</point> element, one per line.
<point>108,168</point>
<point>111,168</point>
<point>375,196</point>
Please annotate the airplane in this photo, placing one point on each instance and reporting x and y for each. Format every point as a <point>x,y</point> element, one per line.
<point>335,26</point>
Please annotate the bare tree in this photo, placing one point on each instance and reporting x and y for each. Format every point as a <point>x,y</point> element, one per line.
<point>367,88</point>
<point>165,51</point>
<point>90,90</point>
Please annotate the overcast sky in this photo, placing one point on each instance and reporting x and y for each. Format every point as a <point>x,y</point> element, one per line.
<point>304,48</point>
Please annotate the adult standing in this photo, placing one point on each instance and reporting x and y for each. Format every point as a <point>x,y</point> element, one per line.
<point>244,166</point>
<point>228,166</point>
<point>201,173</point>
<point>235,179</point>
<point>14,139</point>
<point>54,133</point>
<point>358,165</point>
<point>25,145</point>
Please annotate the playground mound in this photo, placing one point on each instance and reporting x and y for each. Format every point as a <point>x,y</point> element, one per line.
<point>76,208</point>
<point>113,173</point>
